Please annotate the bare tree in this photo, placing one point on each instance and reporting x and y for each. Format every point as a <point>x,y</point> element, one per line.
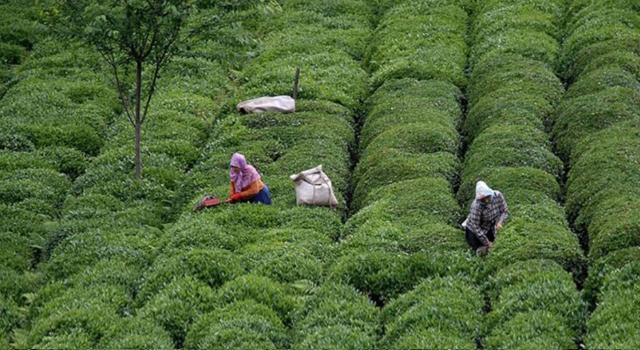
<point>138,36</point>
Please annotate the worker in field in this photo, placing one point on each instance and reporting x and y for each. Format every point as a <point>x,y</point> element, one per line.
<point>246,185</point>
<point>486,217</point>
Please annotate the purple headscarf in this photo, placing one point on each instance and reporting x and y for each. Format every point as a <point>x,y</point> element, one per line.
<point>247,175</point>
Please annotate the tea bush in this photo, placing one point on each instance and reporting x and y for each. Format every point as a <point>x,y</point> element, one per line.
<point>384,275</point>
<point>507,107</point>
<point>283,262</point>
<point>239,325</point>
<point>316,31</point>
<point>24,223</point>
<point>533,330</point>
<point>613,323</point>
<point>411,30</point>
<point>59,112</point>
<point>490,22</point>
<point>391,166</point>
<point>524,241</point>
<point>499,148</point>
<point>11,54</point>
<point>380,275</point>
<point>410,100</point>
<point>601,268</point>
<point>211,266</point>
<point>514,98</point>
<point>330,76</point>
<point>37,190</point>
<point>599,26</point>
<point>90,323</point>
<point>334,316</point>
<point>357,10</point>
<point>535,285</point>
<point>336,337</point>
<point>17,253</point>
<point>76,323</point>
<point>136,246</point>
<point>401,237</point>
<point>518,184</point>
<point>136,333</point>
<point>10,316</point>
<point>612,151</point>
<point>529,43</point>
<point>15,284</point>
<point>603,78</point>
<point>588,114</point>
<point>106,273</point>
<point>83,219</point>
<point>443,308</point>
<point>500,71</point>
<point>178,305</point>
<point>262,290</point>
<point>429,200</point>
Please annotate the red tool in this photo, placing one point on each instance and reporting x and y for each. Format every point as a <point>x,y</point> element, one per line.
<point>207,201</point>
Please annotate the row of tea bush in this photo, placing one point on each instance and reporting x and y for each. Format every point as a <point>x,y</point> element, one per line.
<point>111,225</point>
<point>598,134</point>
<point>514,92</point>
<point>402,246</point>
<point>260,271</point>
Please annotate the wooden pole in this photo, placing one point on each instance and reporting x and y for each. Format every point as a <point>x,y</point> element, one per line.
<point>295,84</point>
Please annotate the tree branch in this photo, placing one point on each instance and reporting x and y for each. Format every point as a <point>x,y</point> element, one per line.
<point>114,65</point>
<point>163,56</point>
<point>148,32</point>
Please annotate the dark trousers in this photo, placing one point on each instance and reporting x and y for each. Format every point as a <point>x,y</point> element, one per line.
<point>475,242</point>
<point>264,197</point>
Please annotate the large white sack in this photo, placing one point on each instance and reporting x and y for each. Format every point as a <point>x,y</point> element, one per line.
<point>313,187</point>
<point>281,104</point>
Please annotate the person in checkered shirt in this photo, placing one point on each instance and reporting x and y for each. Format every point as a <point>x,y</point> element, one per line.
<point>487,215</point>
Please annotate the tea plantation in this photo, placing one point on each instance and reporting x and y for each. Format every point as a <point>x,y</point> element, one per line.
<point>406,104</point>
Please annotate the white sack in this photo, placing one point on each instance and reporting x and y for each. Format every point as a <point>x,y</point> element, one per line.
<point>313,187</point>
<point>281,104</point>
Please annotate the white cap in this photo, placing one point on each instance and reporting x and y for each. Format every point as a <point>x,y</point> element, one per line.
<point>482,190</point>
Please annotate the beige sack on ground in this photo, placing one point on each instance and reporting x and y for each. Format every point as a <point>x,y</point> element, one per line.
<point>281,104</point>
<point>313,187</point>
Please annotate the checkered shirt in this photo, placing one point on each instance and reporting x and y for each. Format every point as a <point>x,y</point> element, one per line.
<point>482,216</point>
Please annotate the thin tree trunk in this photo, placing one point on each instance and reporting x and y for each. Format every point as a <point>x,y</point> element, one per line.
<point>138,158</point>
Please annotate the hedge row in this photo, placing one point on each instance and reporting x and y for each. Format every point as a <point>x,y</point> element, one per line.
<point>614,325</point>
<point>19,32</point>
<point>110,231</point>
<point>51,123</point>
<point>257,268</point>
<point>598,134</point>
<point>51,105</point>
<point>443,311</point>
<point>535,305</point>
<point>336,316</point>
<point>513,94</point>
<point>107,200</point>
<point>412,31</point>
<point>405,224</point>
